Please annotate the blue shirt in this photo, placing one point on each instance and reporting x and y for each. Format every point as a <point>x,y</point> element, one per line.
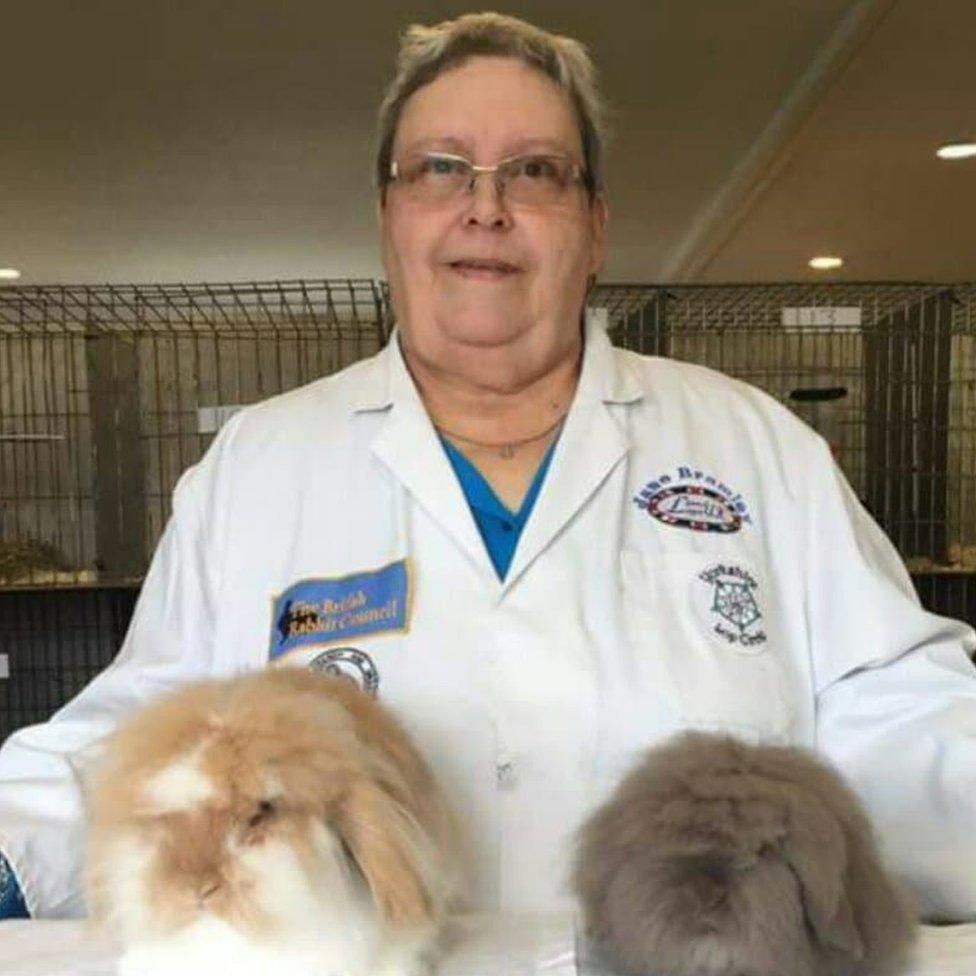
<point>12,903</point>
<point>499,526</point>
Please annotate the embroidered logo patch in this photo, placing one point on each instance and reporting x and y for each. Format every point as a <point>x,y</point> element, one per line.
<point>693,507</point>
<point>324,611</point>
<point>729,603</point>
<point>691,499</point>
<point>350,663</point>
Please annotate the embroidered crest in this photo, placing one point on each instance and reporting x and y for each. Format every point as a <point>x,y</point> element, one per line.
<point>691,499</point>
<point>326,611</point>
<point>349,663</point>
<point>693,507</point>
<point>733,612</point>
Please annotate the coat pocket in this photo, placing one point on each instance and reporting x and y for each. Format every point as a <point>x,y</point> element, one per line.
<point>705,620</point>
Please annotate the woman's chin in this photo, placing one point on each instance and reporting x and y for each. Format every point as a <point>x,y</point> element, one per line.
<point>479,328</point>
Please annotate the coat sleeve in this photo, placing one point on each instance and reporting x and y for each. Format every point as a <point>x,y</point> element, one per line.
<point>896,697</point>
<point>42,767</point>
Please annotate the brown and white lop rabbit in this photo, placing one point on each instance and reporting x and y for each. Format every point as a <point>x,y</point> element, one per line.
<point>280,822</point>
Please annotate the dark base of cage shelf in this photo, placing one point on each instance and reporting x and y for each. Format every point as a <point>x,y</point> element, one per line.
<point>948,594</point>
<point>52,643</point>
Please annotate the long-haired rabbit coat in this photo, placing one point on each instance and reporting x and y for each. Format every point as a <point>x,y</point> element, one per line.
<point>277,822</point>
<point>718,858</point>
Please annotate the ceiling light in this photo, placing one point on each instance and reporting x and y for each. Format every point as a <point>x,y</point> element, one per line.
<point>9,274</point>
<point>956,150</point>
<point>826,262</point>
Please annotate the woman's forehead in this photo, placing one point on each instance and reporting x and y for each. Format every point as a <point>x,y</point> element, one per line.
<point>489,106</point>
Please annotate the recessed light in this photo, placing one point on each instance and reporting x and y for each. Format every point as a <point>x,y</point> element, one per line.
<point>9,274</point>
<point>956,150</point>
<point>826,262</point>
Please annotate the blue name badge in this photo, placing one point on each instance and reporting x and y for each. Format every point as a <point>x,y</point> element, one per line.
<point>320,611</point>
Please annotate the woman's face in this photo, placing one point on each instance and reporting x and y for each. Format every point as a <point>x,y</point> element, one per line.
<point>449,304</point>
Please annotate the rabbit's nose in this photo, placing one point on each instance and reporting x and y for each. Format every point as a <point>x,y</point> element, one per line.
<point>207,891</point>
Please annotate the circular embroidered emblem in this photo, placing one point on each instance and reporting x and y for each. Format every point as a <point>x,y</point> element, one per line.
<point>349,663</point>
<point>693,507</point>
<point>726,597</point>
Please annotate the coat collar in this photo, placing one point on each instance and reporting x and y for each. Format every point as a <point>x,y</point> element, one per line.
<point>591,444</point>
<point>605,375</point>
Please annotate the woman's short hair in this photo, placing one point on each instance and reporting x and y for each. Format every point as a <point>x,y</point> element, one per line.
<point>426,52</point>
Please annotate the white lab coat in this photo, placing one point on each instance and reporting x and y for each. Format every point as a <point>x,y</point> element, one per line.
<point>613,628</point>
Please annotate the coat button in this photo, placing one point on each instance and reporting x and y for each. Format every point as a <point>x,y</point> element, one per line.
<point>505,775</point>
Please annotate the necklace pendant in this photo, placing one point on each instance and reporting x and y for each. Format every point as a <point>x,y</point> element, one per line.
<point>507,451</point>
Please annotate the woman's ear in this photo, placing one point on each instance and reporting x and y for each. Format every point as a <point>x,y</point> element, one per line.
<point>599,219</point>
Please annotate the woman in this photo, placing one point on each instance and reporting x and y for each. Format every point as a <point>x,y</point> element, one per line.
<point>544,553</point>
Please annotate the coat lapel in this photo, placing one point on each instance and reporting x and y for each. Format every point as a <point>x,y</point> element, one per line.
<point>592,443</point>
<point>408,446</point>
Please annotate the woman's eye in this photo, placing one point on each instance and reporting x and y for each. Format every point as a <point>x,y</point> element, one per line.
<point>537,168</point>
<point>440,166</point>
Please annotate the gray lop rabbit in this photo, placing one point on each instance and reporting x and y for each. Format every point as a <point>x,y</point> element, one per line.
<point>718,858</point>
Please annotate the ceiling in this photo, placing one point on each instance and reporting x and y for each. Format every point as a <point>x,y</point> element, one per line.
<point>197,140</point>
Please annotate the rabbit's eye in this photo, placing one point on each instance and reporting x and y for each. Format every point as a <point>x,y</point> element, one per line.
<point>264,811</point>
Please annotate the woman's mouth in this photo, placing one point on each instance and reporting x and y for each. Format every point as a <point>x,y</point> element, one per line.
<point>483,269</point>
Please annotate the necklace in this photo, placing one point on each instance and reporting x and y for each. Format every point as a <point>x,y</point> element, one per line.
<point>506,449</point>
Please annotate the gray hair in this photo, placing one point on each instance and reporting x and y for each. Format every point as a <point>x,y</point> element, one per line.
<point>426,52</point>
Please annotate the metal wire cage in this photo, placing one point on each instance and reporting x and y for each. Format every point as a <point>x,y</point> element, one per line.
<point>108,393</point>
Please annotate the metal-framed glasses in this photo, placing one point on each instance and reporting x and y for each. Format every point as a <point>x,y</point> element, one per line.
<point>535,180</point>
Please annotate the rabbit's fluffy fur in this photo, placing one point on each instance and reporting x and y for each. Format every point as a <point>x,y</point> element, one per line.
<point>718,858</point>
<point>277,822</point>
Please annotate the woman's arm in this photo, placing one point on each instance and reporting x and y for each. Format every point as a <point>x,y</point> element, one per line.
<point>43,767</point>
<point>896,697</point>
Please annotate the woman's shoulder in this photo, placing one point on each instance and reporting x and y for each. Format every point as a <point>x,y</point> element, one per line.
<point>692,386</point>
<point>727,412</point>
<point>284,431</point>
<point>337,393</point>
<point>317,407</point>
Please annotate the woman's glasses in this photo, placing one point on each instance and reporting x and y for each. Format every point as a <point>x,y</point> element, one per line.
<point>535,180</point>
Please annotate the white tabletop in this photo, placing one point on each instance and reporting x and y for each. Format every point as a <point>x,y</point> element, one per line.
<point>484,945</point>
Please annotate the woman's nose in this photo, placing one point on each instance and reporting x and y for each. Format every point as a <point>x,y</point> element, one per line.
<point>486,202</point>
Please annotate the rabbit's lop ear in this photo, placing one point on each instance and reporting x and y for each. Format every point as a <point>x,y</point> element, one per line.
<point>390,849</point>
<point>817,853</point>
